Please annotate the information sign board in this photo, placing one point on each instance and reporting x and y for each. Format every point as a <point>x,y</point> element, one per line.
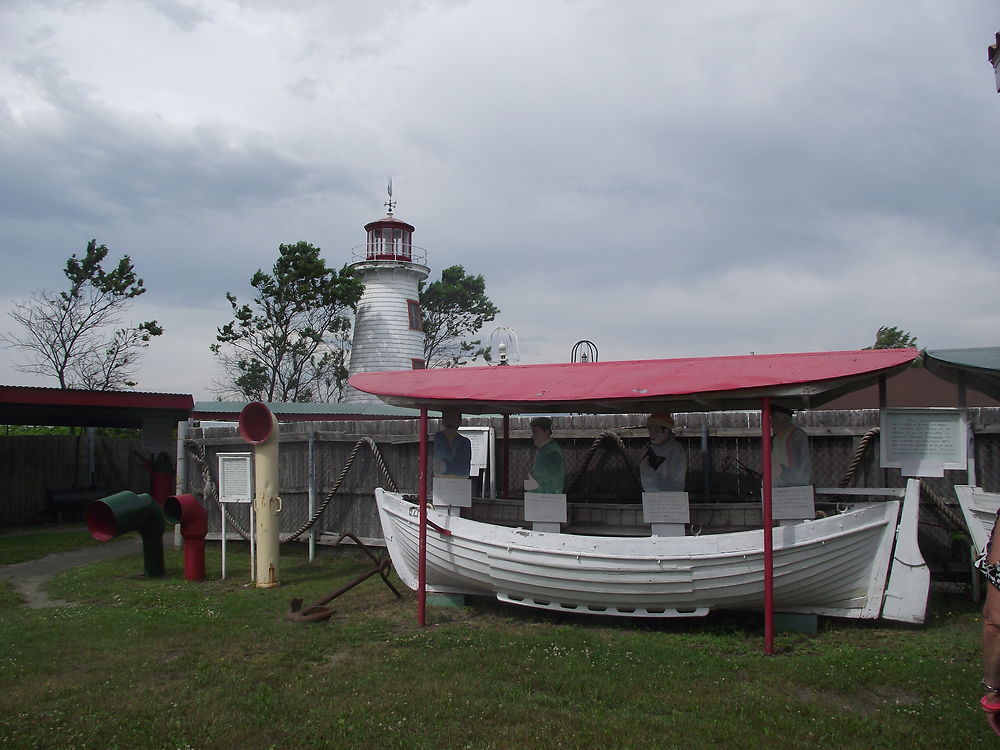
<point>480,439</point>
<point>234,478</point>
<point>923,442</point>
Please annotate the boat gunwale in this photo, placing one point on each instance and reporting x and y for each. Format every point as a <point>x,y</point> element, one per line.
<point>747,535</point>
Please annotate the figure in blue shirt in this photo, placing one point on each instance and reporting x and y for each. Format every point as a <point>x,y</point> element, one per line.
<point>452,450</point>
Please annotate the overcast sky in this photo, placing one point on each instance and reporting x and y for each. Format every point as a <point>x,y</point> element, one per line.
<point>667,178</point>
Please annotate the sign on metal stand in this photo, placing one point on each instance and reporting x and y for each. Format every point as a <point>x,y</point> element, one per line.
<point>235,486</point>
<point>482,439</point>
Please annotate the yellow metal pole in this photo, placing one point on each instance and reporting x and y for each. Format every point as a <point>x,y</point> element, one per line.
<point>259,426</point>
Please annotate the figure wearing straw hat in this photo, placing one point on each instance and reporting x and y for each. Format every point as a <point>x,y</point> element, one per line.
<point>664,465</point>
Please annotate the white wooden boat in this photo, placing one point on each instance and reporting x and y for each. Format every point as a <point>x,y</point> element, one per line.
<point>979,509</point>
<point>846,565</point>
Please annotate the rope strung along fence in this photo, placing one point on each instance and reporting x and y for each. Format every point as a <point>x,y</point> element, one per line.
<point>859,454</point>
<point>926,493</point>
<point>941,507</point>
<point>211,489</point>
<point>336,485</point>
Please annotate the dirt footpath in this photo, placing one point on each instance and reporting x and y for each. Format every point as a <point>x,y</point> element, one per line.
<point>27,578</point>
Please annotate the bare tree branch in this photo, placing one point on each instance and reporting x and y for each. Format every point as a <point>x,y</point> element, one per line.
<point>65,334</point>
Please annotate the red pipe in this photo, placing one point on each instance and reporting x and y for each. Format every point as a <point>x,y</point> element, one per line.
<point>422,499</point>
<point>161,477</point>
<point>187,511</point>
<point>161,483</point>
<point>765,457</point>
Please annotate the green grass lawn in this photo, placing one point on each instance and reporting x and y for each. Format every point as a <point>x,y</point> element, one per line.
<point>167,663</point>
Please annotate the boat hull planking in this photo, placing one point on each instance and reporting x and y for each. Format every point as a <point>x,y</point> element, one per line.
<point>835,566</point>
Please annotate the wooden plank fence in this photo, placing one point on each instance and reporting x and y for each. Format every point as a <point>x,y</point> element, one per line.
<point>33,467</point>
<point>723,455</point>
<point>723,451</point>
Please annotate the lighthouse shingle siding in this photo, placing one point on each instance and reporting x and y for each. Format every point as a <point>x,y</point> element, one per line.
<point>383,338</point>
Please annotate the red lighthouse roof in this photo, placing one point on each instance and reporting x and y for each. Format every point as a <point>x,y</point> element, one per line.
<point>388,221</point>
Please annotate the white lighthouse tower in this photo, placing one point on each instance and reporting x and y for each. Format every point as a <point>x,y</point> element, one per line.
<point>388,334</point>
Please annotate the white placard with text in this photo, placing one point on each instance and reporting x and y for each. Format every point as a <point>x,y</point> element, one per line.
<point>793,503</point>
<point>235,478</point>
<point>544,506</point>
<point>666,507</point>
<point>455,491</point>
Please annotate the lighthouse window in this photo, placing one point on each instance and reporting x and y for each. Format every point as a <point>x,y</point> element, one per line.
<point>413,310</point>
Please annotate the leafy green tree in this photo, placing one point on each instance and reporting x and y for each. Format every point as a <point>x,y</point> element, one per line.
<point>66,335</point>
<point>890,337</point>
<point>453,308</point>
<point>289,344</point>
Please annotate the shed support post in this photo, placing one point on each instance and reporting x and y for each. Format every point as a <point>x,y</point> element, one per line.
<point>765,459</point>
<point>312,491</point>
<point>506,456</point>
<point>422,504</point>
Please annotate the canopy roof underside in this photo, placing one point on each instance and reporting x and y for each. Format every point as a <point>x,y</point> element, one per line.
<point>977,368</point>
<point>798,381</point>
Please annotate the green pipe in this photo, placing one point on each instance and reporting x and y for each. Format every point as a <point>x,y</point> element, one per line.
<point>124,512</point>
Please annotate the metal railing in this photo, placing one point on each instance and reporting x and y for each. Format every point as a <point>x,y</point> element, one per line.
<point>393,251</point>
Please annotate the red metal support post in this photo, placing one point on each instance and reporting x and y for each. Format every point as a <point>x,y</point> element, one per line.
<point>506,456</point>
<point>422,501</point>
<point>765,459</point>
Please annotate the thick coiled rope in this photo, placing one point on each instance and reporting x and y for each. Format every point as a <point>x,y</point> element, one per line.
<point>616,439</point>
<point>211,490</point>
<point>859,454</point>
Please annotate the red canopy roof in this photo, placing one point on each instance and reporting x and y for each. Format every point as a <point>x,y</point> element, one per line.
<point>699,384</point>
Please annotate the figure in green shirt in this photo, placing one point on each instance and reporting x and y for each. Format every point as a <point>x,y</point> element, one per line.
<point>548,472</point>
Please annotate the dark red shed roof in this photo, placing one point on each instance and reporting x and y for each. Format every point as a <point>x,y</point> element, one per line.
<point>25,405</point>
